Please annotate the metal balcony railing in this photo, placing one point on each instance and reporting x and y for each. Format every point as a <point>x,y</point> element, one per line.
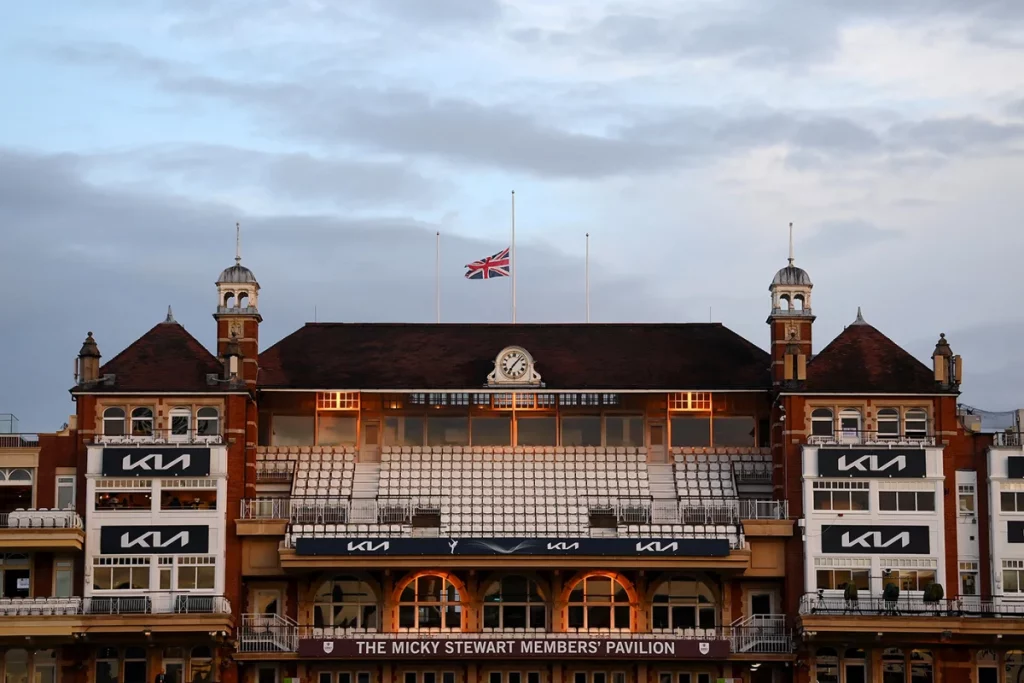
<point>913,605</point>
<point>1008,439</point>
<point>157,603</point>
<point>40,519</point>
<point>160,436</point>
<point>19,440</point>
<point>270,507</point>
<point>260,633</point>
<point>274,472</point>
<point>861,437</point>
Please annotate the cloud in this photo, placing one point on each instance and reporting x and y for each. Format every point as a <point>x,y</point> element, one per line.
<point>838,238</point>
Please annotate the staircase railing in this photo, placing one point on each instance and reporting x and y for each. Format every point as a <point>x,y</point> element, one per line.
<point>268,633</point>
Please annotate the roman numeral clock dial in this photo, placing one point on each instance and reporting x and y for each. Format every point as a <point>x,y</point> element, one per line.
<point>514,365</point>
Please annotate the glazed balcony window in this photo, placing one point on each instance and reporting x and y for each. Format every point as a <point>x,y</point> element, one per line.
<point>599,603</point>
<point>142,422</point>
<point>188,499</point>
<point>430,602</point>
<point>16,484</point>
<point>123,500</point>
<point>514,602</point>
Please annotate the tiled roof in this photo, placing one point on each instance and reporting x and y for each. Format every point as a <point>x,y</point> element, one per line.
<point>863,360</point>
<point>167,358</point>
<point>568,356</point>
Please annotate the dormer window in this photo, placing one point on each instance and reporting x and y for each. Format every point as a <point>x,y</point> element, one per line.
<point>142,422</point>
<point>113,422</point>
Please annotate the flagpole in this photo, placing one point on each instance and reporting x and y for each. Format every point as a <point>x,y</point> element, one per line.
<point>588,277</point>
<point>437,276</point>
<point>513,257</point>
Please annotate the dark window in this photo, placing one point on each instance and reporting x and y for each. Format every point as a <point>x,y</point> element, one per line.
<point>447,431</point>
<point>581,431</point>
<point>734,431</point>
<point>536,431</point>
<point>691,431</point>
<point>492,431</point>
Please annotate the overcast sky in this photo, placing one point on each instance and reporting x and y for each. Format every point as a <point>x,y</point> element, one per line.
<point>683,135</point>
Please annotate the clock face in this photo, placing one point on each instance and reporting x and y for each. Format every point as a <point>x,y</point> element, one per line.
<point>514,364</point>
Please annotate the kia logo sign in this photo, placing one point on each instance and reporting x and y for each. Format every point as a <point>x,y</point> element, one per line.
<point>669,547</point>
<point>148,540</point>
<point>156,461</point>
<point>875,540</point>
<point>907,463</point>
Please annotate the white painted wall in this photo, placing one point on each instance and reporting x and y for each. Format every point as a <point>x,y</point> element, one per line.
<point>999,482</point>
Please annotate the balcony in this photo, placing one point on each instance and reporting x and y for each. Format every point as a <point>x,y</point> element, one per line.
<point>965,615</point>
<point>266,634</point>
<point>27,441</point>
<point>1007,440</point>
<point>855,437</point>
<point>163,437</point>
<point>158,612</point>
<point>41,529</point>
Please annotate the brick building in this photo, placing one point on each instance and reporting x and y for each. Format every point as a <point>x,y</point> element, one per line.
<point>391,503</point>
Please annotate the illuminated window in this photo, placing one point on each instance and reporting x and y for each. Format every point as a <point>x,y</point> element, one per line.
<point>599,603</point>
<point>690,400</point>
<point>839,579</point>
<point>337,400</point>
<point>910,579</point>
<point>430,602</point>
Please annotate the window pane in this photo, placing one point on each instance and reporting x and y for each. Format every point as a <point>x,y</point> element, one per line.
<point>926,500</point>
<point>886,500</point>
<point>336,430</point>
<point>822,500</point>
<point>1007,501</point>
<point>734,431</point>
<point>536,431</point>
<point>447,431</point>
<point>905,500</point>
<point>624,430</point>
<point>824,579</point>
<point>179,425</point>
<point>492,431</point>
<point>691,431</point>
<point>292,430</point>
<point>581,431</point>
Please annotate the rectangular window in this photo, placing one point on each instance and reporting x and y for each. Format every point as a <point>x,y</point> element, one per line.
<point>492,431</point>
<point>447,431</point>
<point>123,500</point>
<point>63,578</point>
<point>906,501</point>
<point>292,430</point>
<point>536,431</point>
<point>336,430</point>
<point>839,579</point>
<point>843,496</point>
<point>624,430</point>
<point>690,401</point>
<point>910,579</point>
<point>337,400</point>
<point>581,431</point>
<point>120,573</point>
<point>691,431</point>
<point>734,431</point>
<point>968,578</point>
<point>1011,501</point>
<point>66,492</point>
<point>197,573</point>
<point>965,493</point>
<point>403,431</point>
<point>188,499</point>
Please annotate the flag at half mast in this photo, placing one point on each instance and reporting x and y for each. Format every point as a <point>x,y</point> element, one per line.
<point>496,265</point>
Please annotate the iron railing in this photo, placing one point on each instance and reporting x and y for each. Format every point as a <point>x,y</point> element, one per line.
<point>908,605</point>
<point>159,436</point>
<point>274,472</point>
<point>863,437</point>
<point>19,440</point>
<point>156,603</point>
<point>262,633</point>
<point>40,519</point>
<point>1008,439</point>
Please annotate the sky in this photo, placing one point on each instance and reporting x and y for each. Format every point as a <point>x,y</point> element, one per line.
<point>683,135</point>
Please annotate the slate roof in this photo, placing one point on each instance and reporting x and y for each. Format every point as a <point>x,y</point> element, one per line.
<point>863,360</point>
<point>166,358</point>
<point>699,356</point>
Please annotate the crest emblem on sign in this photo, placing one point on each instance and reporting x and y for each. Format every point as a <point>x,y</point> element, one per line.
<point>704,648</point>
<point>328,647</point>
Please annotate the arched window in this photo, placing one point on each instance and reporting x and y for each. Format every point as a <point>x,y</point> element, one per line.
<point>19,474</point>
<point>430,602</point>
<point>822,422</point>
<point>849,424</point>
<point>229,299</point>
<point>784,302</point>
<point>888,423</point>
<point>826,665</point>
<point>683,602</point>
<point>798,302</point>
<point>200,665</point>
<point>921,666</point>
<point>345,602</point>
<point>142,422</point>
<point>181,424</point>
<point>514,602</point>
<point>599,602</point>
<point>243,300</point>
<point>113,422</point>
<point>894,665</point>
<point>207,422</point>
<point>915,423</point>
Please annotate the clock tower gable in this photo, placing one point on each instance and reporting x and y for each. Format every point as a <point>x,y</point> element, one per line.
<point>514,366</point>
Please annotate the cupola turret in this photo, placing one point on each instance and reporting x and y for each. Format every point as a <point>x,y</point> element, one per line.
<point>238,316</point>
<point>791,319</point>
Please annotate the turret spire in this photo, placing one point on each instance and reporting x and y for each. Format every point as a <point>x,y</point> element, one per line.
<point>791,243</point>
<point>238,243</point>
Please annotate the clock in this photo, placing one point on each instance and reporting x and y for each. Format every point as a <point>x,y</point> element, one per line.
<point>514,364</point>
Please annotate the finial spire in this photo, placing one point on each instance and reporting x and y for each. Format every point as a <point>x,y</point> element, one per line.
<point>238,243</point>
<point>791,243</point>
<point>860,318</point>
<point>170,315</point>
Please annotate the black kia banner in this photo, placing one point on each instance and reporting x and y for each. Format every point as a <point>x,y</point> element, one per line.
<point>875,540</point>
<point>865,463</point>
<point>1015,532</point>
<point>156,461</point>
<point>1015,467</point>
<point>151,540</point>
<point>656,547</point>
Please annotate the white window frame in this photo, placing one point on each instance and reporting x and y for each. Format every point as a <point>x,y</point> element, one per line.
<point>443,605</point>
<point>907,487</point>
<point>830,420</point>
<point>174,434</point>
<point>890,417</point>
<point>65,566</point>
<point>143,419</point>
<point>123,419</point>
<point>915,415</point>
<point>203,429</point>
<point>66,481</point>
<point>186,565</point>
<point>140,563</point>
<point>840,486</point>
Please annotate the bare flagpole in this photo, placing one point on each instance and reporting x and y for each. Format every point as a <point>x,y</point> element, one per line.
<point>588,277</point>
<point>437,276</point>
<point>513,257</point>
